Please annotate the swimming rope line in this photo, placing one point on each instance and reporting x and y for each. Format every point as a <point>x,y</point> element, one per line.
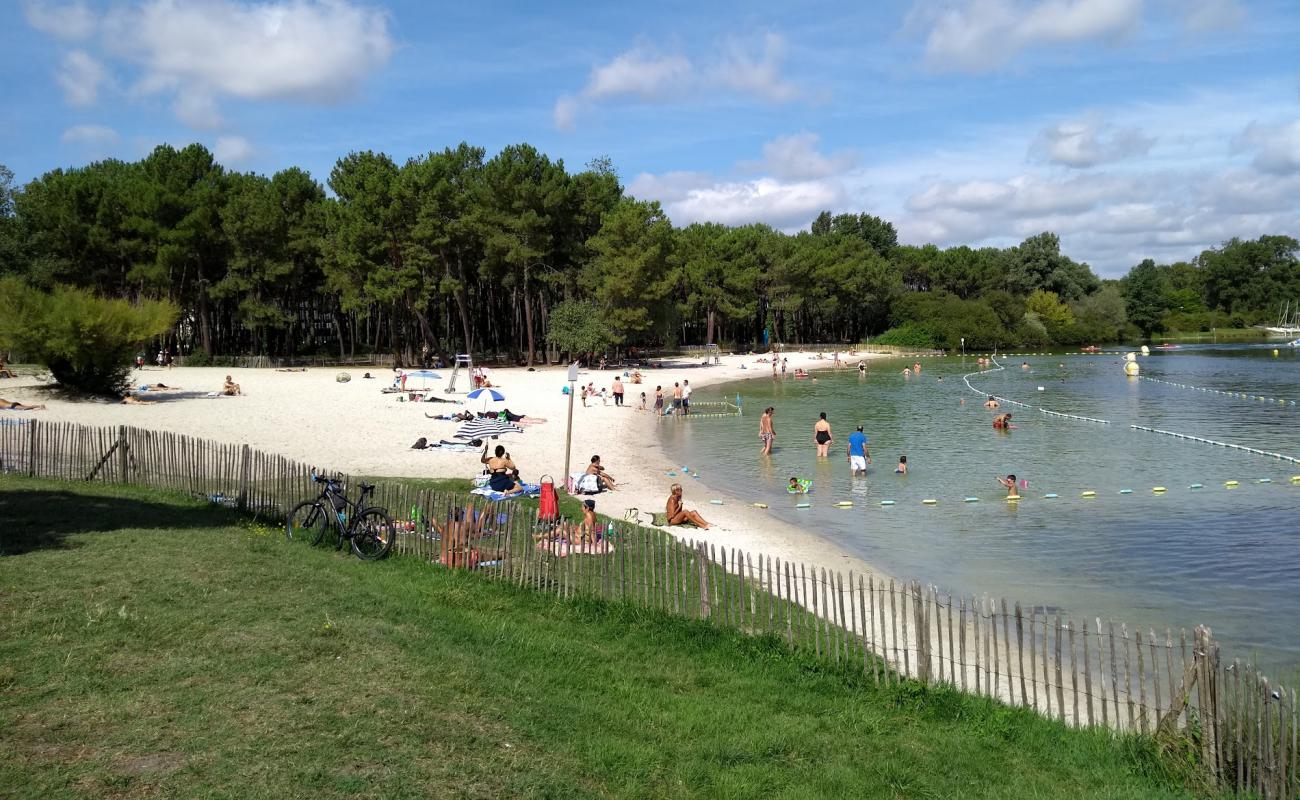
<point>1240,395</point>
<point>998,367</point>
<point>1229,445</point>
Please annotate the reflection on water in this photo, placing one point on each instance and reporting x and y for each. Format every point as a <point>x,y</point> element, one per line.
<point>1228,558</point>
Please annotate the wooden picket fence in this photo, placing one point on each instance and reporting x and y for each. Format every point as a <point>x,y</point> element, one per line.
<point>1174,685</point>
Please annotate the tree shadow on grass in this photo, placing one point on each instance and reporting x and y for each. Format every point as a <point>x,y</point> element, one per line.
<point>38,519</point>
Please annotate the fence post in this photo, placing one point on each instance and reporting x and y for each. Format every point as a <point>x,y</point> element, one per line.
<point>123,461</point>
<point>245,455</point>
<point>702,563</point>
<point>31,448</point>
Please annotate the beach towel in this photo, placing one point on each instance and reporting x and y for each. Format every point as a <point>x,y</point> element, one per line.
<point>583,483</point>
<point>455,447</point>
<point>530,490</point>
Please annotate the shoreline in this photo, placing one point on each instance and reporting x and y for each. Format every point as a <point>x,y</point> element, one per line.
<point>352,427</point>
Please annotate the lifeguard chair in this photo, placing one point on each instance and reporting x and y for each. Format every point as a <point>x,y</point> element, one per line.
<point>462,360</point>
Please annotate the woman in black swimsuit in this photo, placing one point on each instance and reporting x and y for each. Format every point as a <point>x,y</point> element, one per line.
<point>822,436</point>
<point>500,469</point>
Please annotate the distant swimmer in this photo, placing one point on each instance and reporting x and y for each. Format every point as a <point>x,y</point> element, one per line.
<point>901,469</point>
<point>862,368</point>
<point>822,436</point>
<point>1024,365</point>
<point>1003,422</point>
<point>907,373</point>
<point>990,403</point>
<point>1011,484</point>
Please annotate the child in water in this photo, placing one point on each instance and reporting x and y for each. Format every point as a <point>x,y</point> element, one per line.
<point>1010,483</point>
<point>795,486</point>
<point>901,469</point>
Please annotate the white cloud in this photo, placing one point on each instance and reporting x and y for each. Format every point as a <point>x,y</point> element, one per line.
<point>1210,15</point>
<point>982,35</point>
<point>81,77</point>
<point>759,77</point>
<point>642,75</point>
<point>646,75</point>
<point>796,157</point>
<point>197,109</point>
<point>201,51</point>
<point>799,182</point>
<point>93,135</point>
<point>297,49</point>
<point>71,22</point>
<point>231,149</point>
<point>1276,147</point>
<point>1088,142</point>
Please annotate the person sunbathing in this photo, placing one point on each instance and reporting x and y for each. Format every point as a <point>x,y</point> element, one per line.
<point>677,513</point>
<point>11,405</point>
<point>158,387</point>
<point>230,387</point>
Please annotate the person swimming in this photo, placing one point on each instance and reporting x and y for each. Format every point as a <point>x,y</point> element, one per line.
<point>797,486</point>
<point>901,469</point>
<point>990,403</point>
<point>1003,422</point>
<point>1012,486</point>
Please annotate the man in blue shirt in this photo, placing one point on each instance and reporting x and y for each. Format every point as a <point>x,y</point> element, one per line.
<point>859,456</point>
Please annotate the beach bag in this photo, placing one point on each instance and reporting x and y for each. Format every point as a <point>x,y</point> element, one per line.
<point>548,506</point>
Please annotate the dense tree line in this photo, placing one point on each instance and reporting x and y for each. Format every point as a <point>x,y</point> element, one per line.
<point>453,251</point>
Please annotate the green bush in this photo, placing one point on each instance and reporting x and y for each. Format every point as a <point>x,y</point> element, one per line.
<point>911,334</point>
<point>199,358</point>
<point>86,342</point>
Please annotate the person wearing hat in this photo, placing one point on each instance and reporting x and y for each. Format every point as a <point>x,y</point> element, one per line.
<point>859,456</point>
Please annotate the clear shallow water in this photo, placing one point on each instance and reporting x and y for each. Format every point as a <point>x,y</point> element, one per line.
<point>1226,558</point>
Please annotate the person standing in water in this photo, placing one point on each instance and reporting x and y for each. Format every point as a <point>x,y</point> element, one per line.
<point>859,456</point>
<point>1010,482</point>
<point>822,436</point>
<point>766,433</point>
<point>785,362</point>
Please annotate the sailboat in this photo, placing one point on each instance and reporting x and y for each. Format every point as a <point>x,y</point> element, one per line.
<point>1288,324</point>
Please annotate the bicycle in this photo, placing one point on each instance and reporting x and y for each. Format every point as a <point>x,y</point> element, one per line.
<point>368,528</point>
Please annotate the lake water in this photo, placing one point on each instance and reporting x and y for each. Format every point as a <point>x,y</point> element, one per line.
<point>1227,558</point>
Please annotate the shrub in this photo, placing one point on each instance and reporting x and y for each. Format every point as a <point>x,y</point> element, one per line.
<point>199,358</point>
<point>911,334</point>
<point>86,342</point>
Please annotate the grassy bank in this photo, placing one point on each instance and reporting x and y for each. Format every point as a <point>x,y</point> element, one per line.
<point>155,646</point>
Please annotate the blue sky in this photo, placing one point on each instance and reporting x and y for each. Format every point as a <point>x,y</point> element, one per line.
<point>1133,128</point>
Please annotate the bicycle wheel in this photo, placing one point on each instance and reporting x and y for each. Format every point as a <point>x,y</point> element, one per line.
<point>373,534</point>
<point>306,523</point>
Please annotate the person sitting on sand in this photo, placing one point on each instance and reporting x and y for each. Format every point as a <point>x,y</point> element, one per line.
<point>499,468</point>
<point>587,528</point>
<point>129,399</point>
<point>11,405</point>
<point>603,478</point>
<point>5,372</point>
<point>636,376</point>
<point>990,403</point>
<point>677,513</point>
<point>230,388</point>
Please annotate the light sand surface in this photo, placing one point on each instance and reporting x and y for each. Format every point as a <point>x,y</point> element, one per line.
<point>353,427</point>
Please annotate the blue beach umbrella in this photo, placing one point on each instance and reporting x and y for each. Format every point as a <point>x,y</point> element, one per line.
<point>426,374</point>
<point>487,394</point>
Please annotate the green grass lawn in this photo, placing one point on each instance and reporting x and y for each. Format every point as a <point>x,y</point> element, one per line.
<point>152,646</point>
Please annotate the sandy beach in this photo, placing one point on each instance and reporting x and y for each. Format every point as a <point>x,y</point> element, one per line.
<point>354,427</point>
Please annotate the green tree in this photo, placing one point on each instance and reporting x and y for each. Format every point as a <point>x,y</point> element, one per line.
<point>87,342</point>
<point>577,327</point>
<point>1047,306</point>
<point>1144,298</point>
<point>632,272</point>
